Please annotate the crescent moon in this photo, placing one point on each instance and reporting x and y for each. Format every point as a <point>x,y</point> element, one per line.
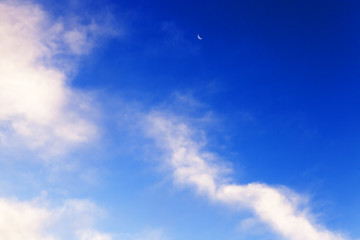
<point>198,36</point>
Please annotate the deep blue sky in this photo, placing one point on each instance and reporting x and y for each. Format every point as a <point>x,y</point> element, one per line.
<point>283,76</point>
<point>280,80</point>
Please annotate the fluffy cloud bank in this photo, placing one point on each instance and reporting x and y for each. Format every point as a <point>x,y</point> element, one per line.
<point>37,106</point>
<point>33,221</point>
<point>278,208</point>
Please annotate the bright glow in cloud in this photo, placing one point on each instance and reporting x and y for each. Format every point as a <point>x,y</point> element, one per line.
<point>92,235</point>
<point>34,221</point>
<point>278,208</point>
<point>37,105</point>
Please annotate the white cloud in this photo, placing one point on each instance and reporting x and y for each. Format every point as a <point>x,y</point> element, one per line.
<point>37,105</point>
<point>92,235</point>
<point>33,220</point>
<point>279,208</point>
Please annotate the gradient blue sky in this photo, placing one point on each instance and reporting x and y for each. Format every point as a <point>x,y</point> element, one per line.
<point>117,115</point>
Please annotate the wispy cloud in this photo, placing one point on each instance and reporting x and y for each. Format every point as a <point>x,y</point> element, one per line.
<point>38,107</point>
<point>282,210</point>
<point>35,220</point>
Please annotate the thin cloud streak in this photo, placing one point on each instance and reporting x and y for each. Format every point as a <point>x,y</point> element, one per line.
<point>278,208</point>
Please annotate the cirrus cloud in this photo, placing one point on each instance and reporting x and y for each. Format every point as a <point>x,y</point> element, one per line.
<point>279,208</point>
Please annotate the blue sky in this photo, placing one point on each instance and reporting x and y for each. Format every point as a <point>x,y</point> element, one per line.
<point>118,123</point>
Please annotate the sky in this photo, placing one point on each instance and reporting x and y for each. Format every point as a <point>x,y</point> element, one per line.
<point>118,123</point>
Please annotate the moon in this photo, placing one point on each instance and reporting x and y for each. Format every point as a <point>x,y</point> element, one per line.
<point>198,36</point>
